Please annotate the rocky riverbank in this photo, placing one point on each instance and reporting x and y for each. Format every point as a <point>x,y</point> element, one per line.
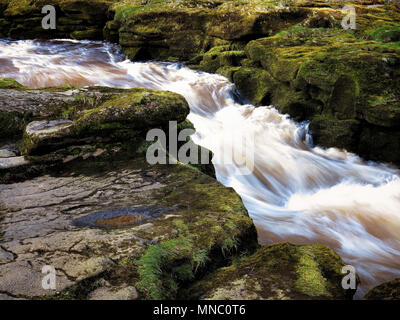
<point>77,194</point>
<point>296,57</point>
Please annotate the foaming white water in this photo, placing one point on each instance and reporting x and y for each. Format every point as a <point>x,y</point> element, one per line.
<point>295,192</point>
<point>78,62</point>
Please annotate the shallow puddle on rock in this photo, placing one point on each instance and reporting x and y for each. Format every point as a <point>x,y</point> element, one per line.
<point>45,125</point>
<point>122,217</point>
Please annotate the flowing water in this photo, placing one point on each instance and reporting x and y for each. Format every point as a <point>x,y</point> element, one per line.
<point>292,190</point>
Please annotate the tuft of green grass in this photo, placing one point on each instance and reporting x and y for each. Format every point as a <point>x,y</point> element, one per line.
<point>229,245</point>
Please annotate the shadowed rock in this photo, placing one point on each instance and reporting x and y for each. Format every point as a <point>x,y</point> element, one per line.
<point>278,272</point>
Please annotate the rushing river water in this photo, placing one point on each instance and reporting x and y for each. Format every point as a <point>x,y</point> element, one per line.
<point>295,192</point>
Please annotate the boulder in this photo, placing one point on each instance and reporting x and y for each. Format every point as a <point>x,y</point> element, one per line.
<point>20,105</point>
<point>385,291</point>
<point>277,272</point>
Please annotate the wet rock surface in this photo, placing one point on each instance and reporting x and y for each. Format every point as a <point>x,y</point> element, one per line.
<point>46,221</point>
<point>120,117</point>
<point>120,217</point>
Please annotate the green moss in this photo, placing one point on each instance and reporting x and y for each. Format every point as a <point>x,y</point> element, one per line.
<point>279,271</point>
<point>255,84</point>
<point>6,83</point>
<point>187,29</point>
<point>200,258</point>
<point>229,245</point>
<point>331,76</point>
<point>138,107</point>
<point>310,280</point>
<point>328,131</point>
<point>122,117</point>
<point>203,235</point>
<point>79,19</point>
<point>151,266</point>
<point>387,34</point>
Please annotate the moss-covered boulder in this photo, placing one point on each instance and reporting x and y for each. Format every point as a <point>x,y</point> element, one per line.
<point>57,125</point>
<point>7,83</point>
<point>345,82</point>
<point>385,291</point>
<point>122,117</point>
<point>20,105</point>
<point>277,272</point>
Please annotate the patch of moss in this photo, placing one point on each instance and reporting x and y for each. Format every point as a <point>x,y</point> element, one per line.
<point>7,83</point>
<point>12,124</point>
<point>279,271</point>
<point>158,257</point>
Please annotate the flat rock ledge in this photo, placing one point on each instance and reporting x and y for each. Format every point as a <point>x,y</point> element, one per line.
<point>108,229</point>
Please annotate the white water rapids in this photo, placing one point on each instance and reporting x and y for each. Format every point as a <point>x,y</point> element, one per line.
<point>296,192</point>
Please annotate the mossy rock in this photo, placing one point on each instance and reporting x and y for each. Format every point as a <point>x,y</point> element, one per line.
<point>279,272</point>
<point>7,83</point>
<point>219,57</point>
<point>186,29</point>
<point>385,291</point>
<point>335,78</point>
<point>91,34</point>
<point>255,84</point>
<point>124,116</point>
<point>328,132</point>
<point>19,105</point>
<point>380,143</point>
<point>78,19</point>
<point>387,34</point>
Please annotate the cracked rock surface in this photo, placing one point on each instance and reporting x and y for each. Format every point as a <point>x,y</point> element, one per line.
<point>37,224</point>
